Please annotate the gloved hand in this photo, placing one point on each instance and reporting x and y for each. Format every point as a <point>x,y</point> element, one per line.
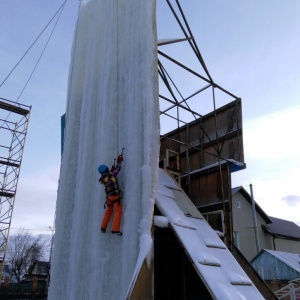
<point>120,158</point>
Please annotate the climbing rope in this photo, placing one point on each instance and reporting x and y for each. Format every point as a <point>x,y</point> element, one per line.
<point>117,15</point>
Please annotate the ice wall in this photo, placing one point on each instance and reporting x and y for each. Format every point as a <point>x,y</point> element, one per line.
<point>113,103</point>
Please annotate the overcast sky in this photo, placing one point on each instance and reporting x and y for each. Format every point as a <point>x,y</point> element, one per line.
<point>251,48</point>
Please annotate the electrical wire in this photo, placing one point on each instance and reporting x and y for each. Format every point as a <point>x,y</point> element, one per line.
<point>42,52</point>
<point>60,10</point>
<point>32,44</point>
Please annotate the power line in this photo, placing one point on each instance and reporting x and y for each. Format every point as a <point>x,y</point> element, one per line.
<point>32,44</point>
<point>30,76</point>
<point>61,10</point>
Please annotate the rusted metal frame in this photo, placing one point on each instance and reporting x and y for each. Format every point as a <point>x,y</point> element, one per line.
<point>196,50</point>
<point>163,76</point>
<point>184,67</point>
<point>169,77</point>
<point>216,121</point>
<point>219,161</point>
<point>195,113</point>
<point>195,148</point>
<point>200,123</point>
<point>178,135</point>
<point>172,117</point>
<point>238,128</point>
<point>198,75</point>
<point>177,104</point>
<point>194,94</point>
<point>222,138</point>
<point>227,130</point>
<point>183,100</point>
<point>162,73</point>
<point>225,91</point>
<point>197,92</point>
<point>188,158</point>
<point>230,205</point>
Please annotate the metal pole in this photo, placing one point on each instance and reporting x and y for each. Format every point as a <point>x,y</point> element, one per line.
<point>254,220</point>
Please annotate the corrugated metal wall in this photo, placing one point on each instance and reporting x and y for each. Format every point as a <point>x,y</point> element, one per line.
<point>271,268</point>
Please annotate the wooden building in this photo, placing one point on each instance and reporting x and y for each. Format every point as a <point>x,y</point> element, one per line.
<point>203,154</point>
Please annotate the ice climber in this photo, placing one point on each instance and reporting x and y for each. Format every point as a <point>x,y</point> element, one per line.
<point>113,196</point>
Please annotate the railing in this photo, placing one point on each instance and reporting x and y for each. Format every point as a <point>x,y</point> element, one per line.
<point>292,290</point>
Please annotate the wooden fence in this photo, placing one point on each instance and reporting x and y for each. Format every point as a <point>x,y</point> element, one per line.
<point>25,290</point>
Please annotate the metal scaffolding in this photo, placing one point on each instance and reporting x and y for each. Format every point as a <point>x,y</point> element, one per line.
<point>186,88</point>
<point>14,118</point>
<point>201,122</point>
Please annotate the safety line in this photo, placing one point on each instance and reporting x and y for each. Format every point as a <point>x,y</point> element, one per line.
<point>117,77</point>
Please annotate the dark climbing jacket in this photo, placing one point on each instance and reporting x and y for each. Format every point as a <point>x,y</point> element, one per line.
<point>110,181</point>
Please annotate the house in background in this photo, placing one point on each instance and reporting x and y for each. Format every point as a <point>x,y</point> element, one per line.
<point>285,235</point>
<point>7,273</point>
<point>278,268</point>
<point>39,270</point>
<point>270,233</point>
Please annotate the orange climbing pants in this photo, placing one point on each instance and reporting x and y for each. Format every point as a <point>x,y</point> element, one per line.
<point>113,204</point>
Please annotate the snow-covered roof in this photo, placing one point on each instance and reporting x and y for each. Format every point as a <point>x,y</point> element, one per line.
<point>216,266</point>
<point>290,259</point>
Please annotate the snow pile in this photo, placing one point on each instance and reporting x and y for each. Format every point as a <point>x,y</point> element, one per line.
<point>161,221</point>
<point>113,103</point>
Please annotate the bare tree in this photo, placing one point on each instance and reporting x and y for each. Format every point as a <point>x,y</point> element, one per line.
<point>24,249</point>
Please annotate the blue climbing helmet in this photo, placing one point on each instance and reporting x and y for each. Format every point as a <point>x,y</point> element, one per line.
<point>102,169</point>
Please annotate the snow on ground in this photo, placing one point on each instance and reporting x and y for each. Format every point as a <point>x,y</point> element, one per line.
<point>113,103</point>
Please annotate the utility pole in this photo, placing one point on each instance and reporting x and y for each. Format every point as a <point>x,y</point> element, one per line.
<point>254,220</point>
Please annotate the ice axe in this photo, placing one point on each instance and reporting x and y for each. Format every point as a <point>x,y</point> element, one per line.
<point>121,155</point>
